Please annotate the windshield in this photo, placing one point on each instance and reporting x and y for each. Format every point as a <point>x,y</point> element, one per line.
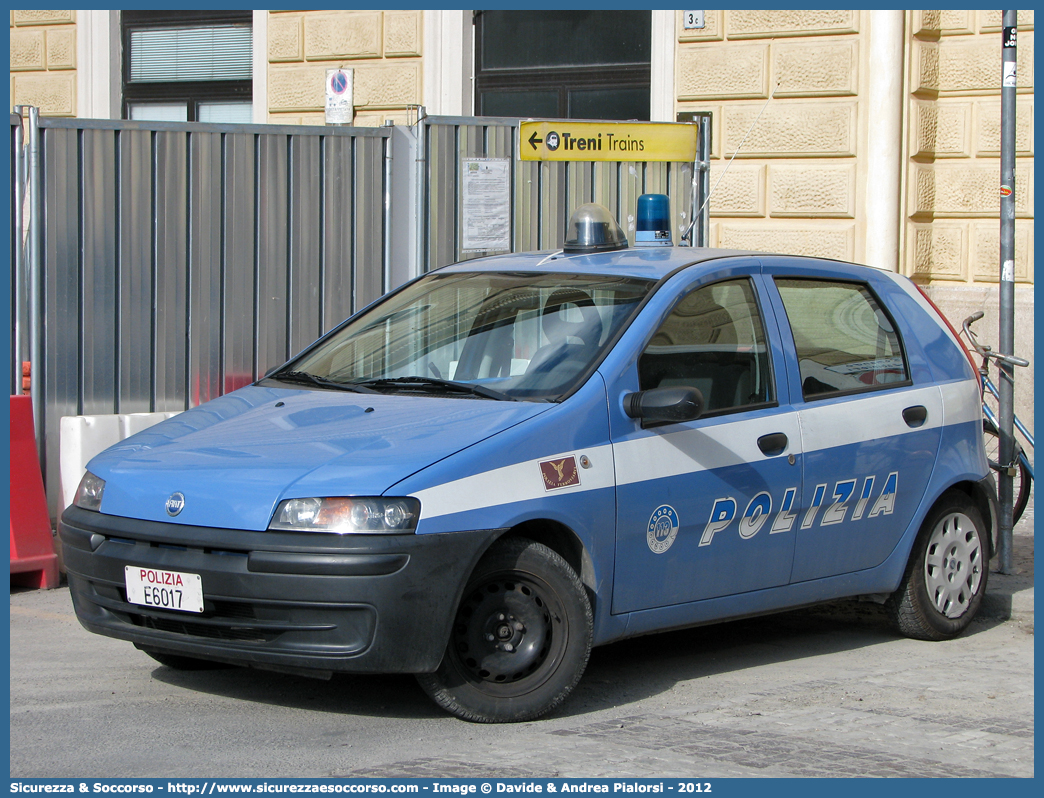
<point>486,335</point>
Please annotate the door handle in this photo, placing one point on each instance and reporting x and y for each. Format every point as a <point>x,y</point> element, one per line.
<point>772,444</point>
<point>915,416</point>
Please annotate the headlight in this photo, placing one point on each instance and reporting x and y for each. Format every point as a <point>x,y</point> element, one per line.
<point>89,493</point>
<point>347,516</point>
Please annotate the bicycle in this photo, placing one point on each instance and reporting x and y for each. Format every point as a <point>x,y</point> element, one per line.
<point>1022,469</point>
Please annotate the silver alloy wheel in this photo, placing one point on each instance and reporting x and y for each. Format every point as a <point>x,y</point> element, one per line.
<point>953,564</point>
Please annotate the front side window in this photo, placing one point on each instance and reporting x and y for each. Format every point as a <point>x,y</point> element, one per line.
<point>713,340</point>
<point>845,342</point>
<point>523,336</point>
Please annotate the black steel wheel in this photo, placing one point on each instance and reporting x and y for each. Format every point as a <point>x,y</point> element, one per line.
<point>520,639</point>
<point>1022,483</point>
<point>946,576</point>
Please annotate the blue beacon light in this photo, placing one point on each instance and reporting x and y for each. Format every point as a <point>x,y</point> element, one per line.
<point>654,221</point>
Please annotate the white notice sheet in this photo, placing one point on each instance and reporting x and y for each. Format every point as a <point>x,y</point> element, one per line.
<point>487,205</point>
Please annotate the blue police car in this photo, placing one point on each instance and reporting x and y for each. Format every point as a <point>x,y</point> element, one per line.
<point>510,460</point>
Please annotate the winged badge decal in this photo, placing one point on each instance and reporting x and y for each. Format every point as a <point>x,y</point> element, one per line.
<point>559,473</point>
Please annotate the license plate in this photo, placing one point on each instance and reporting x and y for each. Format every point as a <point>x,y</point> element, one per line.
<point>165,590</point>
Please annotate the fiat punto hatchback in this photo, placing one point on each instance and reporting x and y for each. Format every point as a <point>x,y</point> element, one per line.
<point>510,460</point>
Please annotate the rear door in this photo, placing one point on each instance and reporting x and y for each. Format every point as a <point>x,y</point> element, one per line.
<point>706,508</point>
<point>869,434</point>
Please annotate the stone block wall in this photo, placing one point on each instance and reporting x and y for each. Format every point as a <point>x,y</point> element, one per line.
<point>43,61</point>
<point>952,200</point>
<point>793,185</point>
<point>383,47</point>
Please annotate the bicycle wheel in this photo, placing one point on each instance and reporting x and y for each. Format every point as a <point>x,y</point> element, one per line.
<point>1021,485</point>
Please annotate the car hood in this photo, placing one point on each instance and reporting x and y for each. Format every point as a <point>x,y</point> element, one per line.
<point>236,457</point>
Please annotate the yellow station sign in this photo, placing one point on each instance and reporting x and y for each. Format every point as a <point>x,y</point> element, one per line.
<point>562,140</point>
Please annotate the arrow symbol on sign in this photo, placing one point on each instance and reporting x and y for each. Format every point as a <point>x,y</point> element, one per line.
<point>533,140</point>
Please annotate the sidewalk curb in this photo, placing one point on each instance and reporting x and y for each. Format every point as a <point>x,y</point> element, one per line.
<point>1008,598</point>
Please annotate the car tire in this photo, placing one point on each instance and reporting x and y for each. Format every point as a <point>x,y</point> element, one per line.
<point>179,662</point>
<point>946,575</point>
<point>520,640</point>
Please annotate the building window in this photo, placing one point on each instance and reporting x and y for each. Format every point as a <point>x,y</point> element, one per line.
<point>187,66</point>
<point>563,64</point>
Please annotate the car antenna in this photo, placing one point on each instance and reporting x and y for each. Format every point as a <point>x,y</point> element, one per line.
<point>687,235</point>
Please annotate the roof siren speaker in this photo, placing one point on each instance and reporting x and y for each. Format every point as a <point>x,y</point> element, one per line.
<point>593,228</point>
<point>654,221</point>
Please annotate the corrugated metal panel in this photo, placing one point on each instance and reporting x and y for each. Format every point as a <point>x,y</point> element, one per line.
<point>205,266</point>
<point>338,257</point>
<point>240,278</point>
<point>272,241</point>
<point>98,281</point>
<point>305,211</point>
<point>170,273</point>
<point>133,302</point>
<point>62,291</point>
<point>368,275</point>
<point>553,204</point>
<point>441,202</point>
<point>183,260</point>
<point>527,206</point>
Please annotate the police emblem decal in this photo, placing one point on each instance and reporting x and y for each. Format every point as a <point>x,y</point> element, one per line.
<point>663,529</point>
<point>175,503</point>
<point>559,473</point>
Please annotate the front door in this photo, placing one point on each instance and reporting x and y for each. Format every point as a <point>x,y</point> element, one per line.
<point>708,508</point>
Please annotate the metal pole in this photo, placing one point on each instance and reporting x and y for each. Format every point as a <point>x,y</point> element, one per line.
<point>19,254</point>
<point>36,282</point>
<point>422,192</point>
<point>386,251</point>
<point>1007,284</point>
<point>702,235</point>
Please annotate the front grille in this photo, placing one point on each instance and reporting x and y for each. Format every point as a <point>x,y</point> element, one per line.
<point>232,611</point>
<point>203,630</point>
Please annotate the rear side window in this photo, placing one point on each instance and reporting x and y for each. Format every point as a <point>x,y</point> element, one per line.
<point>713,340</point>
<point>845,341</point>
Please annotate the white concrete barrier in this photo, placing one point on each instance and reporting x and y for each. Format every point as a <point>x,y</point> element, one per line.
<point>82,437</point>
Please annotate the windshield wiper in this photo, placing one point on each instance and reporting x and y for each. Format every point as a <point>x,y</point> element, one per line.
<point>432,382</point>
<point>312,379</point>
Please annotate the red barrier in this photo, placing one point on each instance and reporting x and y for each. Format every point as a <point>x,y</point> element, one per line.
<point>33,561</point>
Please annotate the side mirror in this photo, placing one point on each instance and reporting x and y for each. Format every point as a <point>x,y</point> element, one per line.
<point>665,405</point>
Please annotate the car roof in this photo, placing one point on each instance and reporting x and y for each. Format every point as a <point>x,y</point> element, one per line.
<point>651,263</point>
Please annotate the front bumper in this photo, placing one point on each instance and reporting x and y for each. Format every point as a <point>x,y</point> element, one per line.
<point>313,602</point>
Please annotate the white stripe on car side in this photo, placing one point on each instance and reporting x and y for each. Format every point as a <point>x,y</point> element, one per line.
<point>874,416</point>
<point>729,443</point>
<point>518,482</point>
<point>962,402</point>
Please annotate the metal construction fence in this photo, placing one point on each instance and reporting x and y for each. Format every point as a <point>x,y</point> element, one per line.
<point>158,265</point>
